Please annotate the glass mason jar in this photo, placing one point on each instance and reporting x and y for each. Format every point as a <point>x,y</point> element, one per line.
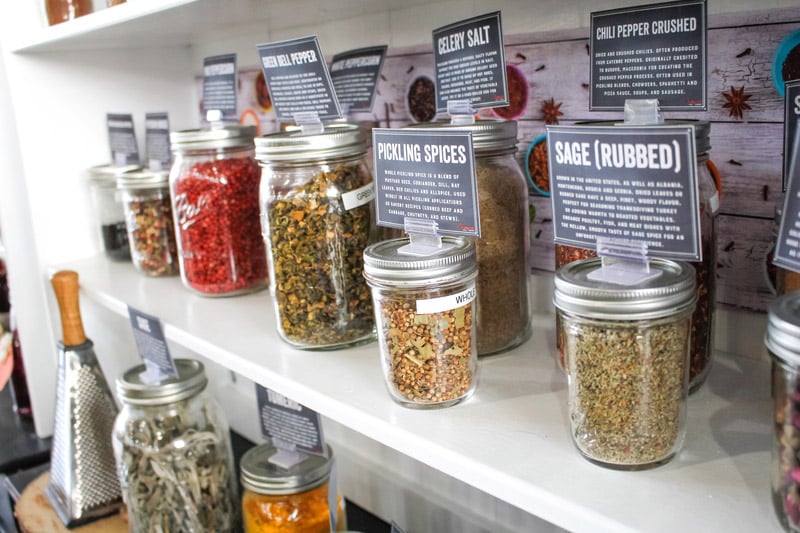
<point>783,343</point>
<point>702,345</point>
<point>107,209</point>
<point>173,452</point>
<point>626,351</point>
<point>288,500</point>
<point>214,186</point>
<point>148,217</point>
<point>503,307</point>
<point>59,11</point>
<point>425,313</point>
<point>317,216</point>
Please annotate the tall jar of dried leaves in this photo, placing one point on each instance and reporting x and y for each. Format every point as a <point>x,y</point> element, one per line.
<point>317,218</point>
<point>626,350</point>
<point>173,452</point>
<point>783,343</point>
<point>288,500</point>
<point>503,307</point>
<point>702,344</point>
<point>214,191</point>
<point>425,310</point>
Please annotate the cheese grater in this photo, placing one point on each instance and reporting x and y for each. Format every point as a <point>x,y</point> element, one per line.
<point>83,481</point>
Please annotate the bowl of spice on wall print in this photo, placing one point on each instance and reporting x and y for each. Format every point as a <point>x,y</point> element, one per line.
<point>421,98</point>
<point>517,94</point>
<point>536,168</point>
<point>786,63</point>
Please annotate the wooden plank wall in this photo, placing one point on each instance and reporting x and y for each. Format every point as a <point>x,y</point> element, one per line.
<point>747,151</point>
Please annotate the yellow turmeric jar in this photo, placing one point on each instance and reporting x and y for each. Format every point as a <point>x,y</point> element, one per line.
<point>288,500</point>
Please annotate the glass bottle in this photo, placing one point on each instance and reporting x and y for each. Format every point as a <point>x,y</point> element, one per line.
<point>108,213</point>
<point>214,190</point>
<point>626,351</point>
<point>503,306</point>
<point>317,215</point>
<point>702,345</point>
<point>288,500</point>
<point>425,314</point>
<point>59,11</point>
<point>782,340</point>
<point>148,217</point>
<point>173,452</point>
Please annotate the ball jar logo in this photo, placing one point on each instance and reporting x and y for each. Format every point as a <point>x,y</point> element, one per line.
<point>187,212</point>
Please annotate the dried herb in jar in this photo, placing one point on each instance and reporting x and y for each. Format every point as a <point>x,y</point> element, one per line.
<point>175,475</point>
<point>625,402</point>
<point>429,354</point>
<point>152,235</point>
<point>317,259</point>
<point>217,213</point>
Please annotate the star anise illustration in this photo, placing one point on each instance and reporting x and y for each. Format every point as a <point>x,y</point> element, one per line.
<point>736,102</point>
<point>551,111</point>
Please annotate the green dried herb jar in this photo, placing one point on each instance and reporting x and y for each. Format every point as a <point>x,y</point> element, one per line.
<point>173,452</point>
<point>626,352</point>
<point>317,217</point>
<point>148,217</point>
<point>425,311</point>
<point>503,306</point>
<point>783,342</point>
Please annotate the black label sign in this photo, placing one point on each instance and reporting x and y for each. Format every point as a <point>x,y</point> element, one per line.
<point>656,51</point>
<point>152,346</point>
<point>787,248</point>
<point>298,79</point>
<point>122,139</point>
<point>470,63</point>
<point>791,118</point>
<point>355,76</point>
<point>159,156</point>
<point>287,422</point>
<point>426,175</point>
<point>219,85</point>
<point>632,183</point>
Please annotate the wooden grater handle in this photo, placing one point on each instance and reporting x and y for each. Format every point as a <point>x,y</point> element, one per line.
<point>65,285</point>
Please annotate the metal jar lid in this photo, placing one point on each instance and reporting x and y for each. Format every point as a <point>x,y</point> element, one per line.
<point>783,328</point>
<point>211,139</point>
<point>261,476</point>
<point>143,179</point>
<point>702,129</point>
<point>191,380</point>
<point>106,175</point>
<point>670,293</point>
<point>455,262</point>
<point>489,136</point>
<point>294,146</point>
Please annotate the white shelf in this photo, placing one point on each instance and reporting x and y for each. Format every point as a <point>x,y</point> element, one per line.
<point>511,438</point>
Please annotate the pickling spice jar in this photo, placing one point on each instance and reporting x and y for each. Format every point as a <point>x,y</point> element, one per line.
<point>503,309</point>
<point>425,314</point>
<point>148,217</point>
<point>173,452</point>
<point>782,340</point>
<point>107,210</point>
<point>288,500</point>
<point>317,216</point>
<point>214,184</point>
<point>702,343</point>
<point>626,351</point>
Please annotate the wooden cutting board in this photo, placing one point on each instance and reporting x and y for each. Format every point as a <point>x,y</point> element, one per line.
<point>35,514</point>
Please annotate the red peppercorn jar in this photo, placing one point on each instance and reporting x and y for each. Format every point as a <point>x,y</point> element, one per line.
<point>214,189</point>
<point>317,212</point>
<point>702,338</point>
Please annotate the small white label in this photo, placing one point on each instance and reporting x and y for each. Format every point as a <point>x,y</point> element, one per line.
<point>713,203</point>
<point>358,197</point>
<point>446,303</point>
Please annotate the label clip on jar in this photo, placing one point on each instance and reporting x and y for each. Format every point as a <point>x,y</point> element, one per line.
<point>624,262</point>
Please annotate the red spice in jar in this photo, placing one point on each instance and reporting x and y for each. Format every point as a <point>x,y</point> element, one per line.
<point>219,230</point>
